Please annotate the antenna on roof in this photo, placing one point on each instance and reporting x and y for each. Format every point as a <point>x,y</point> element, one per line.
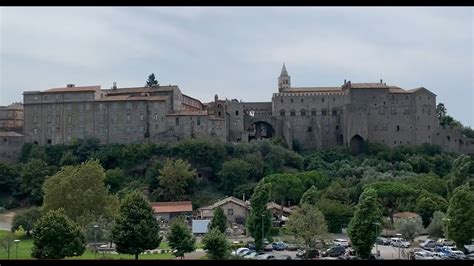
<point>114,86</point>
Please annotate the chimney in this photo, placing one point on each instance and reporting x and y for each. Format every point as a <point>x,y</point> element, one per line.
<point>344,81</point>
<point>381,81</point>
<point>70,85</point>
<point>114,87</point>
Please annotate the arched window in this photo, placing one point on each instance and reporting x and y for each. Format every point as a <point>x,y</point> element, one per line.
<point>313,112</point>
<point>292,113</point>
<point>303,112</point>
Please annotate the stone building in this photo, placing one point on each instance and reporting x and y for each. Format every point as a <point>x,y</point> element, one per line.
<point>11,129</point>
<point>349,114</point>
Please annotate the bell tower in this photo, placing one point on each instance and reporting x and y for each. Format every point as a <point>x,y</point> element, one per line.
<point>284,81</point>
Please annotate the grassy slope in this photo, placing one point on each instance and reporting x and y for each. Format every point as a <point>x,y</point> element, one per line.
<point>26,244</point>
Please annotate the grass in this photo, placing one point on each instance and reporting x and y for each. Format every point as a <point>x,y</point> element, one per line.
<point>26,244</point>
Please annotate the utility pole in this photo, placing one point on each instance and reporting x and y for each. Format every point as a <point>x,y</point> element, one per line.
<point>263,232</point>
<point>376,235</point>
<point>95,240</point>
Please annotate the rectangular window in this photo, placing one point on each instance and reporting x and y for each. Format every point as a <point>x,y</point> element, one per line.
<point>323,112</point>
<point>101,107</point>
<point>230,211</point>
<point>69,107</point>
<point>236,112</point>
<point>393,110</point>
<point>58,119</point>
<point>198,121</point>
<point>57,97</point>
<point>142,117</point>
<point>291,100</point>
<point>69,130</point>
<point>303,113</point>
<point>334,111</point>
<point>322,100</point>
<point>282,112</point>
<point>50,131</point>
<point>36,98</point>
<point>292,113</point>
<point>156,116</point>
<point>302,100</point>
<point>69,119</point>
<point>35,119</point>
<point>129,117</point>
<point>45,98</point>
<point>313,112</point>
<point>87,107</point>
<point>281,100</point>
<point>35,131</point>
<point>49,119</point>
<point>177,121</point>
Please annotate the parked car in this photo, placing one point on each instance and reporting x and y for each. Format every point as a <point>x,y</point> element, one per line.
<point>239,251</point>
<point>335,251</point>
<point>253,255</point>
<point>279,246</point>
<point>268,247</point>
<point>440,256</point>
<point>245,253</point>
<point>423,255</point>
<point>265,257</point>
<point>428,244</point>
<point>445,242</point>
<point>251,246</point>
<point>470,256</point>
<point>470,248</point>
<point>292,247</point>
<point>382,241</point>
<point>312,254</point>
<point>350,252</point>
<point>283,257</point>
<point>341,242</point>
<point>399,242</point>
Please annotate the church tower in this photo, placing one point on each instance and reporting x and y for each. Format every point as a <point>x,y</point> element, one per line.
<point>284,81</point>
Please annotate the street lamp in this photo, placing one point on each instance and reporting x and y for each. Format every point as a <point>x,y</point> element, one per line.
<point>263,232</point>
<point>95,240</point>
<point>17,241</point>
<point>376,235</point>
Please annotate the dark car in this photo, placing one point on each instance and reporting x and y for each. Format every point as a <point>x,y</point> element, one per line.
<point>335,251</point>
<point>268,248</point>
<point>283,257</point>
<point>383,241</point>
<point>251,246</point>
<point>312,254</point>
<point>279,246</point>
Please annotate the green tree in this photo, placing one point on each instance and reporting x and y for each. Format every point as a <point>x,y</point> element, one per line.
<point>311,196</point>
<point>57,237</point>
<point>180,238</point>
<point>409,227</point>
<point>363,225</point>
<point>219,220</point>
<point>460,227</point>
<point>391,194</point>
<point>462,172</point>
<point>135,229</point>
<point>441,110</point>
<point>176,180</point>
<point>151,81</point>
<point>9,178</point>
<point>68,158</point>
<point>428,182</point>
<point>33,175</point>
<point>216,245</point>
<point>234,173</point>
<point>427,203</point>
<point>307,225</point>
<point>26,220</point>
<point>284,187</point>
<point>81,192</point>
<point>259,220</point>
<point>7,242</point>
<point>435,228</point>
<point>114,179</point>
<point>336,213</point>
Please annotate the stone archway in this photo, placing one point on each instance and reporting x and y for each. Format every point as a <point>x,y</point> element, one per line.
<point>261,130</point>
<point>357,144</point>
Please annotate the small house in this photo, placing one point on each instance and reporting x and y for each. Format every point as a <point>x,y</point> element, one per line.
<point>167,211</point>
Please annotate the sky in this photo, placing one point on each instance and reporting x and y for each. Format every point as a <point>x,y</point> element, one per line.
<point>238,52</point>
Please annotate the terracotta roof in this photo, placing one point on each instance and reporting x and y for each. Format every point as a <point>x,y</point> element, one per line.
<point>273,205</point>
<point>377,85</point>
<point>188,112</point>
<point>9,134</point>
<point>395,89</point>
<point>313,89</point>
<point>224,201</point>
<point>165,207</point>
<point>73,89</point>
<point>131,98</point>
<point>405,215</point>
<point>139,89</point>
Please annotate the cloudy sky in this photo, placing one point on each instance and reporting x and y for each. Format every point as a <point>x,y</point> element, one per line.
<point>238,52</point>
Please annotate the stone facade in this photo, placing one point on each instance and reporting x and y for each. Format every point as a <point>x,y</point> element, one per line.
<point>11,129</point>
<point>314,117</point>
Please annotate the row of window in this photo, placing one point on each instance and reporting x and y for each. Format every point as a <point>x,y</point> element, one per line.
<point>313,112</point>
<point>198,120</point>
<point>302,100</point>
<point>67,96</point>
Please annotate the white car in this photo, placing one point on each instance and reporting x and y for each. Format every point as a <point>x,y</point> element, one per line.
<point>253,255</point>
<point>439,256</point>
<point>245,253</point>
<point>341,242</point>
<point>423,255</point>
<point>445,242</point>
<point>265,257</point>
<point>239,251</point>
<point>399,242</point>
